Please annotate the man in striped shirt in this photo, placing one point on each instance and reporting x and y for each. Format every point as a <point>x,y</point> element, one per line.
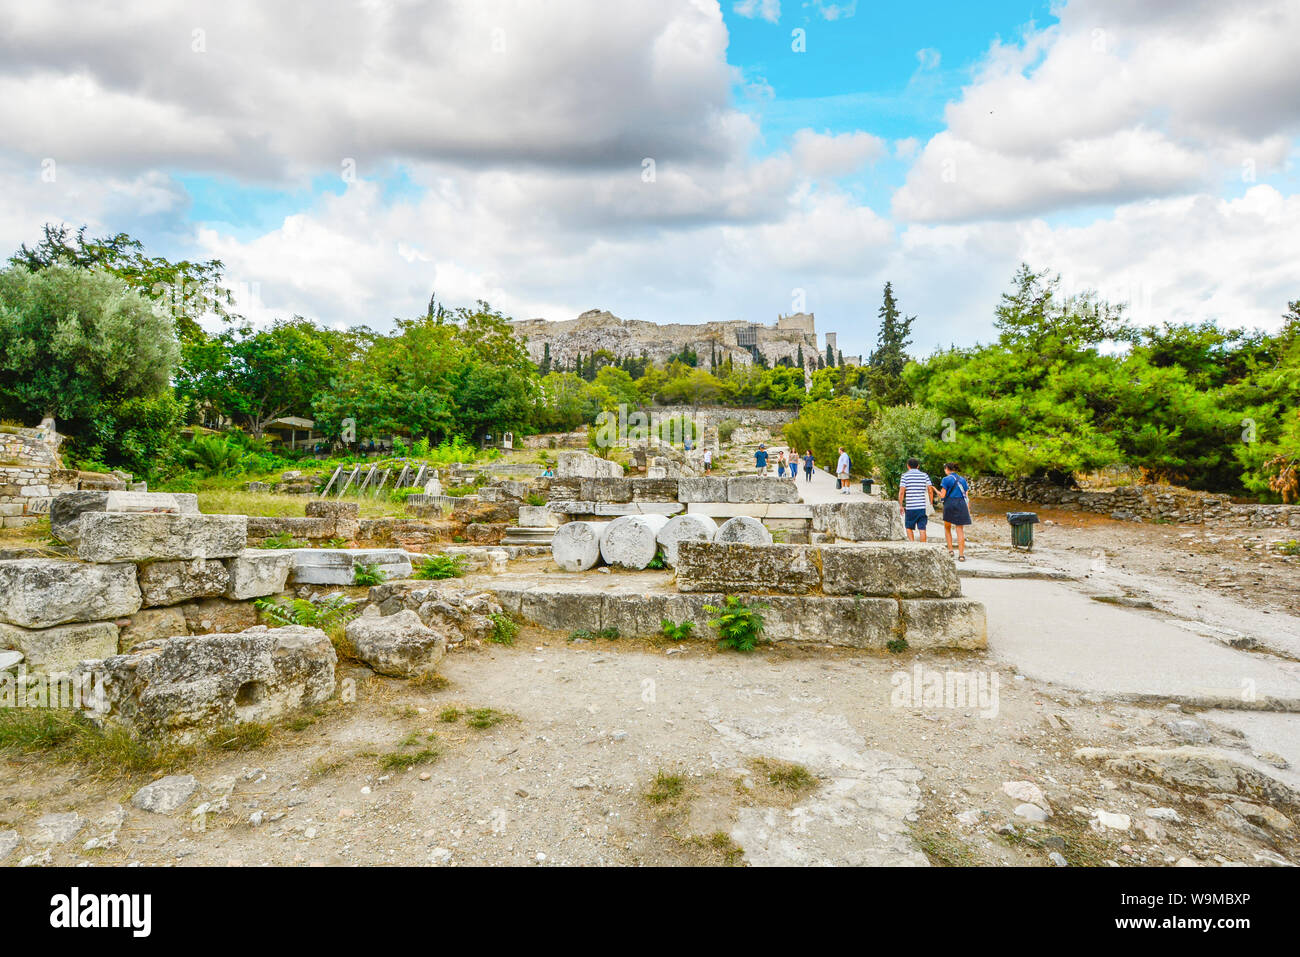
<point>915,495</point>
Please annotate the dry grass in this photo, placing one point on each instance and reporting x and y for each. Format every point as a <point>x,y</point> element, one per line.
<point>229,501</point>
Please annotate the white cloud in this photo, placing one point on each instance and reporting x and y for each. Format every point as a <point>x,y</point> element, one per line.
<point>769,10</point>
<point>823,155</point>
<point>1111,104</point>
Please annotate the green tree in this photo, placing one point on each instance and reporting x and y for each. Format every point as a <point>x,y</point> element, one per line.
<point>900,432</point>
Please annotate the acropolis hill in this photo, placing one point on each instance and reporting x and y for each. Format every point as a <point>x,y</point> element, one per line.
<point>780,343</point>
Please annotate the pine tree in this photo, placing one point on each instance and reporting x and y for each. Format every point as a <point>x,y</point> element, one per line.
<point>893,339</point>
<point>546,358</point>
<point>799,360</point>
<point>830,356</point>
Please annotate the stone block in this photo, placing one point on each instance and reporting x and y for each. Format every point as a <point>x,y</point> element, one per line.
<point>258,572</point>
<point>538,516</point>
<point>947,623</point>
<point>151,624</point>
<point>719,567</point>
<point>119,537</point>
<point>120,501</point>
<point>859,521</point>
<point>65,513</point>
<point>758,488</point>
<point>902,569</point>
<point>213,615</point>
<point>40,592</point>
<point>59,649</point>
<point>344,516</point>
<point>605,490</point>
<point>191,686</point>
<point>170,583</point>
<point>572,464</point>
<point>709,488</point>
<point>304,528</point>
<point>337,566</point>
<point>654,489</point>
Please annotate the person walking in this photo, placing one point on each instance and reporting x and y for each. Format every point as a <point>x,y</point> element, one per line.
<point>956,508</point>
<point>842,470</point>
<point>760,459</point>
<point>781,462</point>
<point>708,459</point>
<point>808,465</point>
<point>915,495</point>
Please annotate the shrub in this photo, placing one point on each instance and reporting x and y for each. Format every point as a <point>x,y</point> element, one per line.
<point>283,540</point>
<point>504,629</point>
<point>212,455</point>
<point>739,624</point>
<point>725,429</point>
<point>437,567</point>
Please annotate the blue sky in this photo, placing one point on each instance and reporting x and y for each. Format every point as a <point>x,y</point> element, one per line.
<point>1144,150</point>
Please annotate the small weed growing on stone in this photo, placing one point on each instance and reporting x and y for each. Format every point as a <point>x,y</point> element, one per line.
<point>896,645</point>
<point>283,540</point>
<point>676,632</point>
<point>659,561</point>
<point>325,614</point>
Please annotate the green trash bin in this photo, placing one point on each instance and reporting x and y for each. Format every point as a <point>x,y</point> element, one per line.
<point>1022,528</point>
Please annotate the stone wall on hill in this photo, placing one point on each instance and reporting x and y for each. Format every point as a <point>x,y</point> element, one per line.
<point>1149,503</point>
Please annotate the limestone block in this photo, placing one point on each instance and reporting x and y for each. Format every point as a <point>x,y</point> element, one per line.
<point>118,536</point>
<point>695,528</point>
<point>400,645</point>
<point>151,624</point>
<point>170,583</point>
<point>119,501</point>
<point>576,545</point>
<point>58,649</point>
<point>190,686</point>
<point>40,592</point>
<point>305,528</point>
<point>538,516</point>
<point>859,521</point>
<point>573,464</point>
<point>947,623</point>
<point>707,488</point>
<point>655,489</point>
<point>900,569</point>
<point>630,541</point>
<point>605,490</point>
<point>744,530</point>
<point>759,488</point>
<point>65,513</point>
<point>214,615</point>
<point>713,566</point>
<point>343,515</point>
<point>258,572</point>
<point>336,566</point>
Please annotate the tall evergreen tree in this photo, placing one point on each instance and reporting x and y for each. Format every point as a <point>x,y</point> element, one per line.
<point>546,358</point>
<point>893,339</point>
<point>800,359</point>
<point>830,356</point>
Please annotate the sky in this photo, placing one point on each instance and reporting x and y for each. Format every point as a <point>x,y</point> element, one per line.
<point>672,160</point>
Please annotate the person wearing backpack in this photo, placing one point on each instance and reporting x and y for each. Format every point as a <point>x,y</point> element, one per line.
<point>956,508</point>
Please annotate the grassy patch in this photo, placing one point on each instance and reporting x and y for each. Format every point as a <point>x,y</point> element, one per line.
<point>665,787</point>
<point>943,848</point>
<point>240,737</point>
<point>785,775</point>
<point>719,843</point>
<point>405,760</point>
<point>229,501</point>
<point>430,680</point>
<point>67,736</point>
<point>483,718</point>
<point>449,715</point>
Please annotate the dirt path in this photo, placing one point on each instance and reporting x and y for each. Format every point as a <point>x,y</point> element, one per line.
<point>565,777</point>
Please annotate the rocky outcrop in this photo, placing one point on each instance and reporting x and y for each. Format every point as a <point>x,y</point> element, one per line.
<point>458,614</point>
